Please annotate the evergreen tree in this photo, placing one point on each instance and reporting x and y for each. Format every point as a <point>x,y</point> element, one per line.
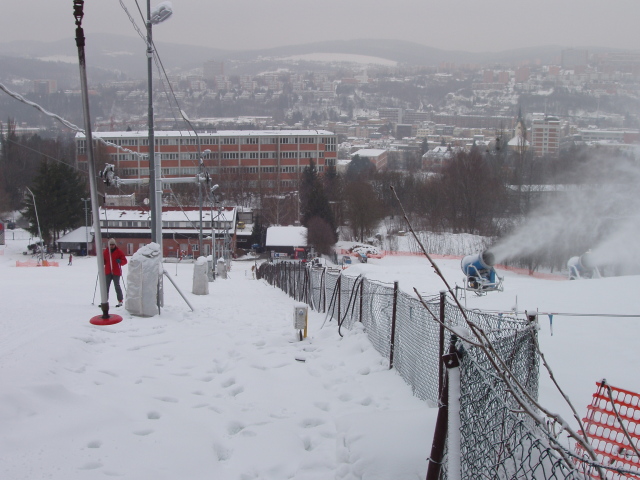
<point>259,232</point>
<point>58,190</point>
<point>315,204</point>
<point>360,168</point>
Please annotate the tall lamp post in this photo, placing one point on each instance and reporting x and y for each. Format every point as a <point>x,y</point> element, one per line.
<point>159,15</point>
<point>86,222</point>
<point>35,209</point>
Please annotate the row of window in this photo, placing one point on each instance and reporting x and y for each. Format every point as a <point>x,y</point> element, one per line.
<point>272,169</point>
<point>219,225</point>
<point>188,171</point>
<point>204,140</point>
<point>288,184</point>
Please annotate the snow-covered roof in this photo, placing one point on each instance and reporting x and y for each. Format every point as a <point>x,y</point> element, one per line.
<point>228,214</point>
<point>79,235</point>
<point>369,152</point>
<point>221,133</point>
<point>518,142</point>
<point>286,236</point>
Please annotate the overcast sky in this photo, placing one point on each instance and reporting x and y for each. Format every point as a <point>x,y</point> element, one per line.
<point>471,25</point>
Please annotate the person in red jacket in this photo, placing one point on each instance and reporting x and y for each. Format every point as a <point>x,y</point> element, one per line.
<point>114,259</point>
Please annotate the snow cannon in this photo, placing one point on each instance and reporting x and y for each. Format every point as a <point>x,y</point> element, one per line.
<point>582,266</point>
<point>480,276</point>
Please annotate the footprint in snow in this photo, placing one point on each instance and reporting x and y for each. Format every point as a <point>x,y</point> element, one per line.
<point>235,427</point>
<point>143,433</point>
<point>167,399</point>
<point>91,466</point>
<point>94,444</point>
<point>222,452</point>
<point>324,406</point>
<point>366,401</point>
<point>345,397</point>
<point>311,422</point>
<point>153,415</point>
<point>236,391</point>
<point>228,382</point>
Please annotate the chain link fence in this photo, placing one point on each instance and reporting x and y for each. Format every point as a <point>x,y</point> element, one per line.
<point>498,439</point>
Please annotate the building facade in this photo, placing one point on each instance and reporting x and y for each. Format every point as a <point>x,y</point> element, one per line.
<point>131,228</point>
<point>545,135</point>
<point>266,158</point>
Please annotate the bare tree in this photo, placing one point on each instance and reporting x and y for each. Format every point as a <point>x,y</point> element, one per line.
<point>364,210</point>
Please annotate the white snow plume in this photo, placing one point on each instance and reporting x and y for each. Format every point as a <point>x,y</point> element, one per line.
<point>621,248</point>
<point>576,218</point>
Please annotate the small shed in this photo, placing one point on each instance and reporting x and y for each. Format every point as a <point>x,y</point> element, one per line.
<point>285,240</point>
<point>76,241</point>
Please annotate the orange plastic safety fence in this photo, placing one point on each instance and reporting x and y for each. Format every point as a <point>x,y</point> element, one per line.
<point>607,437</point>
<point>33,263</point>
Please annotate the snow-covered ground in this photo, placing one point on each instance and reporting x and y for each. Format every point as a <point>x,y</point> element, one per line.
<point>228,392</point>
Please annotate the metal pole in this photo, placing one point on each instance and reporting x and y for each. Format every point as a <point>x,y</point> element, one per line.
<point>179,291</point>
<point>86,222</point>
<point>393,324</point>
<point>152,148</point>
<point>200,177</point>
<point>104,304</point>
<point>442,421</point>
<point>443,294</point>
<point>200,203</point>
<point>35,209</point>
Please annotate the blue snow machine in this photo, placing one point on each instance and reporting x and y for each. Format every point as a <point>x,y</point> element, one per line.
<point>480,276</point>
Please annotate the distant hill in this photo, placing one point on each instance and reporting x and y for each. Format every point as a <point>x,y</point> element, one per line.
<point>123,56</point>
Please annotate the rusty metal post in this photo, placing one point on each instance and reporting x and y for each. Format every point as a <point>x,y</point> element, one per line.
<point>361,297</point>
<point>441,343</point>
<point>440,432</point>
<point>393,324</point>
<point>339,287</point>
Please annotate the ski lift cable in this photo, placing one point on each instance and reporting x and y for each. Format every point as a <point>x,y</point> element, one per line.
<point>162,73</point>
<point>133,22</point>
<point>180,206</point>
<point>561,314</point>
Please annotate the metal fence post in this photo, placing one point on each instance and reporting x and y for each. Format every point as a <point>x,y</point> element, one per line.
<point>393,324</point>
<point>323,289</point>
<point>442,422</point>
<point>441,343</point>
<point>361,296</point>
<point>339,287</point>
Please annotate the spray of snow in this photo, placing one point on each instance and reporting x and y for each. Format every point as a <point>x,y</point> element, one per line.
<point>595,214</point>
<point>621,247</point>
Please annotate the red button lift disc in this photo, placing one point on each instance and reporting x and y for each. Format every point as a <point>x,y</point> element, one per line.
<point>111,320</point>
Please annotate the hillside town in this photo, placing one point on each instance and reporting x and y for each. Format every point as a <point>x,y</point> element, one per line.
<point>583,98</point>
